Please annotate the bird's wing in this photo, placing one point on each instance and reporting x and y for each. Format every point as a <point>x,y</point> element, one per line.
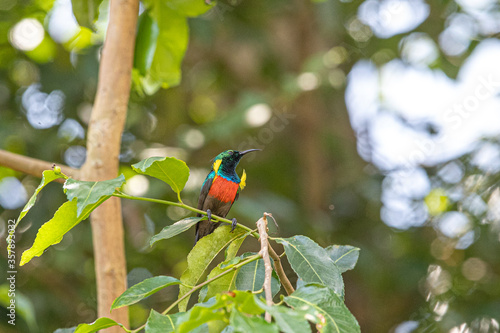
<point>205,189</point>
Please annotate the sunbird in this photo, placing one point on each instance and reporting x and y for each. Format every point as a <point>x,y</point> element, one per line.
<point>220,190</point>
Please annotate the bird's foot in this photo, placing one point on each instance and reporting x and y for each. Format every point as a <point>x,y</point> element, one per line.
<point>233,225</point>
<point>209,215</point>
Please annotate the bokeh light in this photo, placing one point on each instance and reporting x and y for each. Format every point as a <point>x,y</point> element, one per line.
<point>43,110</point>
<point>12,193</point>
<point>390,17</point>
<point>27,34</point>
<point>258,114</point>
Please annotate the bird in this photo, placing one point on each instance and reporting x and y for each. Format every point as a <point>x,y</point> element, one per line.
<point>220,190</point>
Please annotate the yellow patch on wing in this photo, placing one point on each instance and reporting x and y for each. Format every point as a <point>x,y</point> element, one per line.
<point>216,165</point>
<point>243,181</point>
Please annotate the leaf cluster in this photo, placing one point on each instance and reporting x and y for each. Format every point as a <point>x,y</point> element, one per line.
<point>230,295</point>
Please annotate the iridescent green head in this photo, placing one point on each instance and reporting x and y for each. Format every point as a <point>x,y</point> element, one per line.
<point>225,163</point>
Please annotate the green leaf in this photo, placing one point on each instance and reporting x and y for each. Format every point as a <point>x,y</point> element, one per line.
<point>199,316</point>
<point>171,47</point>
<point>190,8</point>
<point>164,70</point>
<point>86,11</point>
<point>244,301</point>
<point>230,263</point>
<point>145,42</point>
<point>226,282</point>
<point>143,289</point>
<point>312,263</point>
<point>24,306</point>
<point>202,254</point>
<point>326,307</point>
<point>344,256</point>
<point>52,231</point>
<point>288,320</point>
<point>158,323</point>
<point>251,277</point>
<point>243,323</point>
<point>232,249</point>
<point>172,171</point>
<point>217,310</point>
<point>47,177</point>
<point>97,325</point>
<point>175,229</point>
<point>223,284</point>
<point>88,193</point>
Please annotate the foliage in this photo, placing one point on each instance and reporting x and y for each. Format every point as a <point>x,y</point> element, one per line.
<point>230,296</point>
<point>244,54</point>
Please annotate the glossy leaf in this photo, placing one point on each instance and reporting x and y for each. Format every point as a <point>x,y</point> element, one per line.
<point>86,11</point>
<point>190,8</point>
<point>145,44</point>
<point>97,325</point>
<point>200,257</point>
<point>52,231</point>
<point>325,307</point>
<point>243,323</point>
<point>175,229</point>
<point>312,263</point>
<point>172,171</point>
<point>90,193</point>
<point>143,289</point>
<point>345,256</point>
<point>251,277</point>
<point>158,323</point>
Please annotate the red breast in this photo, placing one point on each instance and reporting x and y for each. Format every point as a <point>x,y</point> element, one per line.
<point>223,189</point>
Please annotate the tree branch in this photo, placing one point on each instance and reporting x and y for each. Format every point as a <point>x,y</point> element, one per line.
<point>183,205</point>
<point>103,149</point>
<point>268,270</point>
<point>32,166</point>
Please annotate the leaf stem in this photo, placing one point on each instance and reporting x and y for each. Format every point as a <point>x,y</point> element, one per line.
<point>183,205</point>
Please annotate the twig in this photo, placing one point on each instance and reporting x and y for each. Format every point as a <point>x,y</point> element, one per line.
<point>281,273</point>
<point>268,269</point>
<point>32,166</point>
<point>182,205</point>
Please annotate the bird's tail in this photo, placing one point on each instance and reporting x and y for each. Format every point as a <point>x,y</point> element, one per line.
<point>204,228</point>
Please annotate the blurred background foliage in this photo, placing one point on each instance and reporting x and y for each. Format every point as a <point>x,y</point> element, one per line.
<point>378,121</point>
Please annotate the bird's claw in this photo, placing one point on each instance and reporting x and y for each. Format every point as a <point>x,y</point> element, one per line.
<point>233,225</point>
<point>209,215</point>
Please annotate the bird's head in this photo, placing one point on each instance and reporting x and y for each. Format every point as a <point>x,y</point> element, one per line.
<point>228,160</point>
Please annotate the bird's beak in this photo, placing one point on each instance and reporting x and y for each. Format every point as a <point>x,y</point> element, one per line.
<point>248,151</point>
